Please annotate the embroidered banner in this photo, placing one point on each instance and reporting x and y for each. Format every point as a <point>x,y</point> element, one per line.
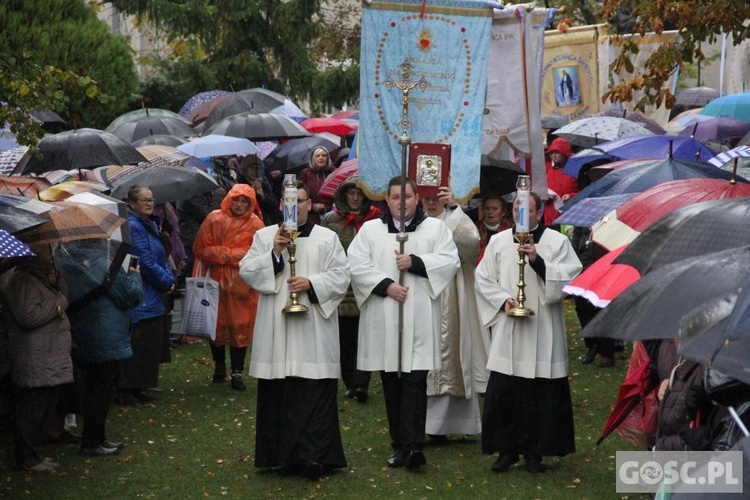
<point>511,114</point>
<point>447,47</point>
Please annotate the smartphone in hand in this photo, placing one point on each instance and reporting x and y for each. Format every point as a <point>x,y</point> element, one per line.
<point>133,262</point>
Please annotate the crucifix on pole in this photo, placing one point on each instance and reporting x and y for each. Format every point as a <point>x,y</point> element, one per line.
<point>404,85</point>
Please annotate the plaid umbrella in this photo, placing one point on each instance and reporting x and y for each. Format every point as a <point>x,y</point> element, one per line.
<point>695,97</point>
<point>13,247</point>
<point>591,210</point>
<point>10,158</point>
<point>163,156</point>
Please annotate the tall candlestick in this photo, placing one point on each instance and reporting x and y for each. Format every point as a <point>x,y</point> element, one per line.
<point>523,186</point>
<point>290,202</point>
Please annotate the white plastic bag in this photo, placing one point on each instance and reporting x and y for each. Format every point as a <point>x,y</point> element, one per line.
<point>201,307</point>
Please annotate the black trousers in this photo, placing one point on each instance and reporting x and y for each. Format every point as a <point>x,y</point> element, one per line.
<point>236,358</point>
<point>348,341</point>
<point>141,371</point>
<point>406,406</point>
<point>34,412</point>
<point>99,380</point>
<point>586,311</point>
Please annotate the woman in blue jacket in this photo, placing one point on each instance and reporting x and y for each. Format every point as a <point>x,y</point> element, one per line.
<point>142,370</point>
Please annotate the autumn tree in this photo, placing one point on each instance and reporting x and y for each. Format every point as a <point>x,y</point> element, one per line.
<point>57,54</point>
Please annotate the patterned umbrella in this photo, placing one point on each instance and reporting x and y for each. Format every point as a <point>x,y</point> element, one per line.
<point>695,97</point>
<point>10,158</point>
<point>725,157</point>
<point>647,122</point>
<point>71,222</point>
<point>199,115</point>
<point>163,156</point>
<point>13,247</point>
<point>641,211</point>
<point>588,132</point>
<point>735,106</point>
<point>200,99</point>
<point>591,210</point>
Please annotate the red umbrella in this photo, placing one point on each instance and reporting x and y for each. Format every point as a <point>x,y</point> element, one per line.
<point>349,114</point>
<point>635,394</point>
<point>635,215</point>
<point>338,176</point>
<point>330,124</point>
<point>603,280</point>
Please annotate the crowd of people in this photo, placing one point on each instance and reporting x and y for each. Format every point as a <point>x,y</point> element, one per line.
<point>421,297</point>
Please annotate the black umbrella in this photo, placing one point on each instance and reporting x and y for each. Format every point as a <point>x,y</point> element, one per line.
<point>133,130</point>
<point>259,127</point>
<point>695,97</point>
<point>296,152</point>
<point>654,306</point>
<point>161,140</point>
<point>258,100</point>
<point>80,148</point>
<point>166,183</point>
<point>690,231</point>
<point>498,176</point>
<point>14,219</point>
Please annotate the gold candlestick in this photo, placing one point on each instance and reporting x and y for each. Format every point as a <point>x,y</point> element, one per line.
<point>521,311</point>
<point>293,306</point>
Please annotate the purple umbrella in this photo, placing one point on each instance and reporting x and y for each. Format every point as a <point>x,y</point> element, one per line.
<point>657,146</point>
<point>716,129</point>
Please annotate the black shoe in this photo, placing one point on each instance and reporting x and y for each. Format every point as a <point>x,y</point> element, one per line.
<point>117,446</point>
<point>619,345</point>
<point>126,398</point>
<point>361,394</point>
<point>312,471</point>
<point>99,451</point>
<point>503,463</point>
<point>396,460</point>
<point>415,459</point>
<point>65,437</point>
<point>606,362</point>
<point>349,393</point>
<point>219,377</point>
<point>534,465</point>
<point>438,439</point>
<point>237,383</point>
<point>144,399</point>
<point>589,357</point>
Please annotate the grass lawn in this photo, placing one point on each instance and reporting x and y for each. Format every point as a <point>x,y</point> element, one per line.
<point>198,441</point>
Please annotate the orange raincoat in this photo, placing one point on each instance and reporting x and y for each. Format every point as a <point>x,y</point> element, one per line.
<point>222,241</point>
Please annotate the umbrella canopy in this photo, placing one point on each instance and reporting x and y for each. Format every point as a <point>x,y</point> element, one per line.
<point>337,177</point>
<point>80,148</point>
<point>348,114</point>
<point>23,186</point>
<point>735,106</point>
<point>198,100</point>
<point>163,156</point>
<point>647,122</point>
<point>681,121</point>
<point>498,176</point>
<point>695,97</point>
<point>133,130</point>
<point>603,280</point>
<point>18,213</point>
<point>329,124</point>
<point>259,127</point>
<point>593,130</point>
<point>199,115</point>
<point>143,113</point>
<point>291,110</point>
<point>553,122</point>
<point>591,210</point>
<point>657,146</point>
<point>690,231</point>
<point>13,247</point>
<point>64,190</point>
<point>296,153</point>
<point>727,157</point>
<point>641,175</point>
<point>10,158</point>
<point>584,157</point>
<point>71,222</point>
<point>637,214</point>
<point>218,145</point>
<point>716,128</point>
<point>258,100</point>
<point>653,306</point>
<point>159,140</point>
<point>167,183</point>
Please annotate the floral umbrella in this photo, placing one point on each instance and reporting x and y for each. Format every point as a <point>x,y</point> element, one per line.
<point>588,132</point>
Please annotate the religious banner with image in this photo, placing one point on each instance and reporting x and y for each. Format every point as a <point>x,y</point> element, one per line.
<point>434,53</point>
<point>570,75</point>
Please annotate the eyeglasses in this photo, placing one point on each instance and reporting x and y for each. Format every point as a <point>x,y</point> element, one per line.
<point>145,200</point>
<point>302,201</point>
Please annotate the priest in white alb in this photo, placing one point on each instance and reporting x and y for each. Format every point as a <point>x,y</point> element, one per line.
<point>295,357</point>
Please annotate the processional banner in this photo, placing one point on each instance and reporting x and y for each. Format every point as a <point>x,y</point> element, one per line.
<point>570,75</point>
<point>446,43</point>
<point>609,47</point>
<point>512,112</point>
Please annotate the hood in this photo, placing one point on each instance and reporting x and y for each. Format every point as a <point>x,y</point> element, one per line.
<point>561,146</point>
<point>236,191</point>
<point>340,197</point>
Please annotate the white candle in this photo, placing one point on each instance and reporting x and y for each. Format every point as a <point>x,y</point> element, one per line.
<point>522,203</point>
<point>290,202</point>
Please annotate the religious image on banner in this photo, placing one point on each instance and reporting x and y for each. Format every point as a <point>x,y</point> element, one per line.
<point>567,89</point>
<point>570,74</point>
<point>435,55</point>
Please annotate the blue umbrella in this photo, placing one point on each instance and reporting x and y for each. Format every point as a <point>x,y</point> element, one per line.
<point>576,162</point>
<point>644,174</point>
<point>13,247</point>
<point>735,106</point>
<point>591,210</point>
<point>657,146</point>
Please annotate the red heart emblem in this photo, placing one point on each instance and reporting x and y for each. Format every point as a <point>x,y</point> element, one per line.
<point>424,43</point>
